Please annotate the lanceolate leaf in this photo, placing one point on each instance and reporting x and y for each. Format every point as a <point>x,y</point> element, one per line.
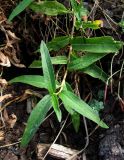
<point>84,61</point>
<point>78,9</point>
<point>81,107</point>
<point>76,121</point>
<point>68,108</point>
<point>59,60</point>
<point>36,118</point>
<point>96,45</point>
<point>55,60</point>
<point>74,5</point>
<point>48,71</point>
<point>34,80</point>
<point>36,64</point>
<point>58,43</point>
<point>67,86</point>
<point>74,116</point>
<point>96,72</point>
<point>20,7</point>
<point>55,105</point>
<point>51,8</point>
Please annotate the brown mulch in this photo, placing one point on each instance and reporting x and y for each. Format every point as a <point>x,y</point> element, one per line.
<point>18,41</point>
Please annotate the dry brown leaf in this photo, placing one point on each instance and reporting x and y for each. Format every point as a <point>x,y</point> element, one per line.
<point>12,120</point>
<point>5,115</point>
<point>2,135</point>
<point>4,60</point>
<point>5,97</point>
<point>28,93</point>
<point>12,35</point>
<point>3,83</point>
<point>10,51</point>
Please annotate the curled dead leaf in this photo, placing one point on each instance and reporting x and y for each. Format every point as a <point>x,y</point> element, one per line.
<point>3,83</point>
<point>2,135</point>
<point>4,60</point>
<point>10,50</point>
<point>12,120</point>
<point>12,35</point>
<point>9,119</point>
<point>5,97</point>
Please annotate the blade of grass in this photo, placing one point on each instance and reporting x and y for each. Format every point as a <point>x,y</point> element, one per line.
<point>19,8</point>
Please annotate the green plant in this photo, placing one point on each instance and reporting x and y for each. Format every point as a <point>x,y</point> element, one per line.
<point>96,105</point>
<point>92,49</point>
<point>121,24</point>
<point>72,103</point>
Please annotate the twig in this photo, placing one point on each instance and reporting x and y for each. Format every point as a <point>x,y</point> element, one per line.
<point>112,61</point>
<point>56,137</point>
<point>68,60</point>
<point>1,94</point>
<point>86,128</point>
<point>119,84</point>
<point>11,144</point>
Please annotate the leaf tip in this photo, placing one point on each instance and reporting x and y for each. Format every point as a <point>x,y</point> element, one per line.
<point>103,125</point>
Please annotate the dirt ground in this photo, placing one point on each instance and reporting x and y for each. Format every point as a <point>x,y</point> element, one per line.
<point>24,36</point>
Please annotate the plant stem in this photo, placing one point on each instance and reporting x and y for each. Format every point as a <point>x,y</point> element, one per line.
<point>68,59</point>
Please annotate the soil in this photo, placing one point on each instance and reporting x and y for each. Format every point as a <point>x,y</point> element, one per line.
<point>104,144</point>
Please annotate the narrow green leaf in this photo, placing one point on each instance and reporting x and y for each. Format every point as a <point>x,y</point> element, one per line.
<point>58,43</point>
<point>59,60</point>
<point>96,72</point>
<point>84,61</point>
<point>36,64</point>
<point>68,108</point>
<point>80,107</point>
<point>34,80</point>
<point>55,105</point>
<point>74,115</point>
<point>48,71</point>
<point>68,87</point>
<point>104,44</point>
<point>78,9</point>
<point>51,8</point>
<point>55,60</point>
<point>76,121</point>
<point>74,5</point>
<point>36,118</point>
<point>20,7</point>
